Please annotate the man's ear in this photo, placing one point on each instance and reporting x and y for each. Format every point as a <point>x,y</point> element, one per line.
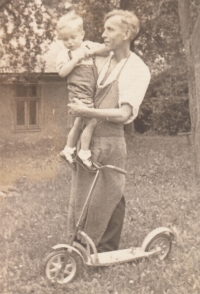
<point>127,35</point>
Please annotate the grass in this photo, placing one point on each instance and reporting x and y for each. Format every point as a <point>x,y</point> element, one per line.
<point>159,192</point>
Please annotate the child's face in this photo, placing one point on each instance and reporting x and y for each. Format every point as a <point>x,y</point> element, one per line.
<point>72,37</point>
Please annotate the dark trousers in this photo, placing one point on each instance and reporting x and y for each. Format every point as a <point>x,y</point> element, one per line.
<point>111,238</point>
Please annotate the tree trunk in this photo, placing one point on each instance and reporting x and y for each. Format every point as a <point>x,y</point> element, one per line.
<point>191,40</point>
<point>195,50</point>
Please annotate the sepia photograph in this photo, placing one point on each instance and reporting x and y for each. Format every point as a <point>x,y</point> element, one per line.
<point>99,146</point>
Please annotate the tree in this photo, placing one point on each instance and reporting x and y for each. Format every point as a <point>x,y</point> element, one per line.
<point>190,27</point>
<point>26,30</point>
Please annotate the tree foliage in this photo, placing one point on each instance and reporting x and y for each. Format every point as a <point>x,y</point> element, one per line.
<point>25,33</point>
<point>28,27</point>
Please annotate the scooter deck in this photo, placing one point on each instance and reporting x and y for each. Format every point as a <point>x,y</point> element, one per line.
<point>118,256</point>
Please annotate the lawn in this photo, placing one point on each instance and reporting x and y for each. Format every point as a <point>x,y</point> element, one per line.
<point>159,192</point>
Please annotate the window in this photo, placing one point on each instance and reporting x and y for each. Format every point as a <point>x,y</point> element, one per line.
<point>27,107</point>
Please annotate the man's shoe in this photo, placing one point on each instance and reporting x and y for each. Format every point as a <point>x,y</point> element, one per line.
<point>69,158</point>
<point>86,164</point>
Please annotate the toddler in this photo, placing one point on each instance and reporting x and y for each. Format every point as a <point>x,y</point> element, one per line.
<point>75,63</point>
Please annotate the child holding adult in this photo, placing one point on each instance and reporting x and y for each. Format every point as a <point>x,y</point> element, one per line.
<point>77,64</point>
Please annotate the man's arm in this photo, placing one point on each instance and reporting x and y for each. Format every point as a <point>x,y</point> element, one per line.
<point>118,115</point>
<point>93,48</point>
<point>100,50</point>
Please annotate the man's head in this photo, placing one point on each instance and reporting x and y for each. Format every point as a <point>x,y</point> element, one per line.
<point>128,19</point>
<point>70,30</point>
<point>120,28</point>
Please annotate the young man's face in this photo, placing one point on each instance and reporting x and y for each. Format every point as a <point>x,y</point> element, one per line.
<point>114,32</point>
<point>72,37</point>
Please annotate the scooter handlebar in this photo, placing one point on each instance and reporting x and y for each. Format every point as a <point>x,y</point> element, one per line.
<point>117,169</point>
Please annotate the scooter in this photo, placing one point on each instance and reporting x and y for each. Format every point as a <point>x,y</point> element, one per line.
<point>64,263</point>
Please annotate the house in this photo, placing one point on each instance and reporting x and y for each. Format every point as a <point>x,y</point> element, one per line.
<point>34,108</point>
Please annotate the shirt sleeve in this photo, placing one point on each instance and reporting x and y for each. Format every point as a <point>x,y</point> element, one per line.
<point>62,59</point>
<point>134,88</point>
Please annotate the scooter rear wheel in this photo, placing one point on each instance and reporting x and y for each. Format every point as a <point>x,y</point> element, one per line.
<point>53,263</point>
<point>162,241</point>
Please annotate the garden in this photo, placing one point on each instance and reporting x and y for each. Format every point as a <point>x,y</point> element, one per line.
<point>159,192</point>
<point>162,166</point>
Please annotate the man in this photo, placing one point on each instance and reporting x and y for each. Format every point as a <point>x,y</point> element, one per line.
<point>122,82</point>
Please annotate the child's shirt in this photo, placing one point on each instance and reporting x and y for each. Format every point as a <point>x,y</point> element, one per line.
<point>82,80</point>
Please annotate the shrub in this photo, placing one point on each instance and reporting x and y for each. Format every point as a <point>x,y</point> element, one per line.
<point>165,109</point>
<point>171,115</point>
<point>164,115</point>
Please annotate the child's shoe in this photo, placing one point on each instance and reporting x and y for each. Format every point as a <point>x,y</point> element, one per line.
<point>69,157</point>
<point>86,164</point>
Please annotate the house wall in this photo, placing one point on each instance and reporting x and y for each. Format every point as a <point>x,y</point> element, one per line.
<point>6,96</point>
<point>54,119</point>
<point>54,107</point>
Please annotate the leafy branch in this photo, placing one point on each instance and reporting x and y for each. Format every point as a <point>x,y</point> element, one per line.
<point>4,2</point>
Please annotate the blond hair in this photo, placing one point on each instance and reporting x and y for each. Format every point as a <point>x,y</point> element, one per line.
<point>128,18</point>
<point>68,20</point>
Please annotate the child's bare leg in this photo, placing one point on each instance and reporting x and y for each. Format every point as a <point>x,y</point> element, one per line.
<point>73,136</point>
<point>87,133</point>
<point>74,133</point>
<point>85,153</point>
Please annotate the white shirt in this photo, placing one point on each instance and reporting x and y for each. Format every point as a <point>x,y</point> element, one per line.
<point>63,56</point>
<point>133,80</point>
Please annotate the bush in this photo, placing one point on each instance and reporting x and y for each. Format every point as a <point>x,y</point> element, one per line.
<point>165,109</point>
<point>164,115</point>
<point>171,115</point>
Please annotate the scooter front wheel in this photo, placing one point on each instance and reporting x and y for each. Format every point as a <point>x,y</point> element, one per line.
<point>53,263</point>
<point>162,242</point>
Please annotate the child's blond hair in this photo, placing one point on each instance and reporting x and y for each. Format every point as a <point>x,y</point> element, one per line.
<point>68,20</point>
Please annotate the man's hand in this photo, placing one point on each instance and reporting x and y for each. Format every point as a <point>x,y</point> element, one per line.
<point>79,54</point>
<point>78,108</point>
<point>86,102</point>
<point>89,52</point>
